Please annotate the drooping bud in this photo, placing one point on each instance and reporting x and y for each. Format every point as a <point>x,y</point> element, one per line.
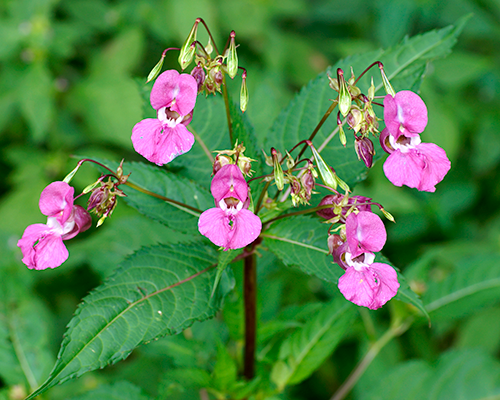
<point>198,73</point>
<point>307,181</point>
<point>188,48</point>
<point>387,85</point>
<point>365,150</point>
<point>245,164</point>
<point>334,242</point>
<point>279,177</point>
<point>290,162</point>
<point>324,170</point>
<point>156,69</point>
<point>342,137</point>
<point>371,91</point>
<point>103,199</point>
<point>219,162</point>
<point>70,176</point>
<point>243,92</point>
<point>344,95</point>
<point>232,57</point>
<point>354,119</point>
<point>388,215</point>
<point>334,83</point>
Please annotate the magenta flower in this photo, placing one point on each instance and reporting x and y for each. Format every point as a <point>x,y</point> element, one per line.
<point>230,225</point>
<point>366,283</point>
<point>162,139</point>
<point>411,163</point>
<point>42,245</point>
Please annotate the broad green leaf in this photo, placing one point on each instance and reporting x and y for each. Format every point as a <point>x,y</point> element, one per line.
<point>404,64</point>
<point>225,257</point>
<point>304,351</point>
<point>474,283</point>
<point>465,375</point>
<point>302,242</point>
<point>115,391</point>
<point>225,370</point>
<point>158,291</point>
<point>169,185</point>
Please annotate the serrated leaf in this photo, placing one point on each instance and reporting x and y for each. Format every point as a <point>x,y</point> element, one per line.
<point>474,283</point>
<point>158,291</point>
<point>167,184</point>
<point>302,242</point>
<point>304,351</point>
<point>115,391</point>
<point>404,64</point>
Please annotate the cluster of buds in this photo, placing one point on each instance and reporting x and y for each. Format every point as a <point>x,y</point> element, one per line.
<point>209,72</point>
<point>357,109</point>
<point>235,156</point>
<point>103,199</point>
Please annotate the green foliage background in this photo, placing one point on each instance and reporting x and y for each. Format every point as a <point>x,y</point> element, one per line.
<point>71,83</point>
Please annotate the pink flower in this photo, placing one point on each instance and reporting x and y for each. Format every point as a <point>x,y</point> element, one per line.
<point>366,283</point>
<point>42,245</point>
<point>230,225</point>
<point>162,139</point>
<point>411,163</point>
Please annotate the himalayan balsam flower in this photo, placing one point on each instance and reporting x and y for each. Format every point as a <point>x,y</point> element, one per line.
<point>42,244</point>
<point>162,139</point>
<point>230,225</point>
<point>364,282</point>
<point>411,163</point>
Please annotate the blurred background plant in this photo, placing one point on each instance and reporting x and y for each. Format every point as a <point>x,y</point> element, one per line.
<point>72,76</point>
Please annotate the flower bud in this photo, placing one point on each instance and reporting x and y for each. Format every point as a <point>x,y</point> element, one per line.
<point>344,95</point>
<point>279,177</point>
<point>334,242</point>
<point>324,170</point>
<point>156,69</point>
<point>371,91</point>
<point>307,181</point>
<point>244,92</point>
<point>354,119</point>
<point>188,48</point>
<point>365,150</point>
<point>219,162</point>
<point>387,85</point>
<point>198,73</point>
<point>232,58</point>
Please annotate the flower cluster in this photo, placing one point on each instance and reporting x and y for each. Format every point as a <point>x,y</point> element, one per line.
<point>162,139</point>
<point>411,162</point>
<point>42,244</point>
<point>230,224</point>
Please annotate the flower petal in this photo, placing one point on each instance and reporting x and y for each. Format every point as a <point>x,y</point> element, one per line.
<point>365,232</point>
<point>42,248</point>
<point>145,137</point>
<point>389,285</point>
<point>229,182</point>
<point>436,166</point>
<point>174,90</point>
<point>82,221</point>
<point>57,198</point>
<point>406,110</point>
<point>360,287</point>
<point>246,228</point>
<point>173,142</point>
<point>186,99</point>
<point>404,168</point>
<point>214,224</point>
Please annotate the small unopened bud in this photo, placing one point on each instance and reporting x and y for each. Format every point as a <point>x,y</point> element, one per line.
<point>279,177</point>
<point>188,48</point>
<point>219,162</point>
<point>156,69</point>
<point>365,150</point>
<point>324,170</point>
<point>371,91</point>
<point>344,95</point>
<point>198,73</point>
<point>327,213</point>
<point>243,92</point>
<point>307,181</point>
<point>334,83</point>
<point>388,215</point>
<point>387,85</point>
<point>245,165</point>
<point>70,176</point>
<point>342,137</point>
<point>232,57</point>
<point>354,119</point>
<point>334,242</point>
<point>290,162</point>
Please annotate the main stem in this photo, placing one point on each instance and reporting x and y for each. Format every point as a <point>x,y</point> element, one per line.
<point>250,296</point>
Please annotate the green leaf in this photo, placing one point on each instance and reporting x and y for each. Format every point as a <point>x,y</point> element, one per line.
<point>225,257</point>
<point>465,375</point>
<point>306,349</point>
<point>404,64</point>
<point>169,185</point>
<point>115,391</point>
<point>183,384</point>
<point>158,291</point>
<point>473,284</point>
<point>225,370</point>
<point>302,242</point>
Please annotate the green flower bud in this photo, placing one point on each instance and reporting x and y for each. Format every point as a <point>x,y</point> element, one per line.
<point>324,170</point>
<point>232,58</point>
<point>279,177</point>
<point>156,70</point>
<point>387,85</point>
<point>187,50</point>
<point>344,95</point>
<point>244,92</point>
